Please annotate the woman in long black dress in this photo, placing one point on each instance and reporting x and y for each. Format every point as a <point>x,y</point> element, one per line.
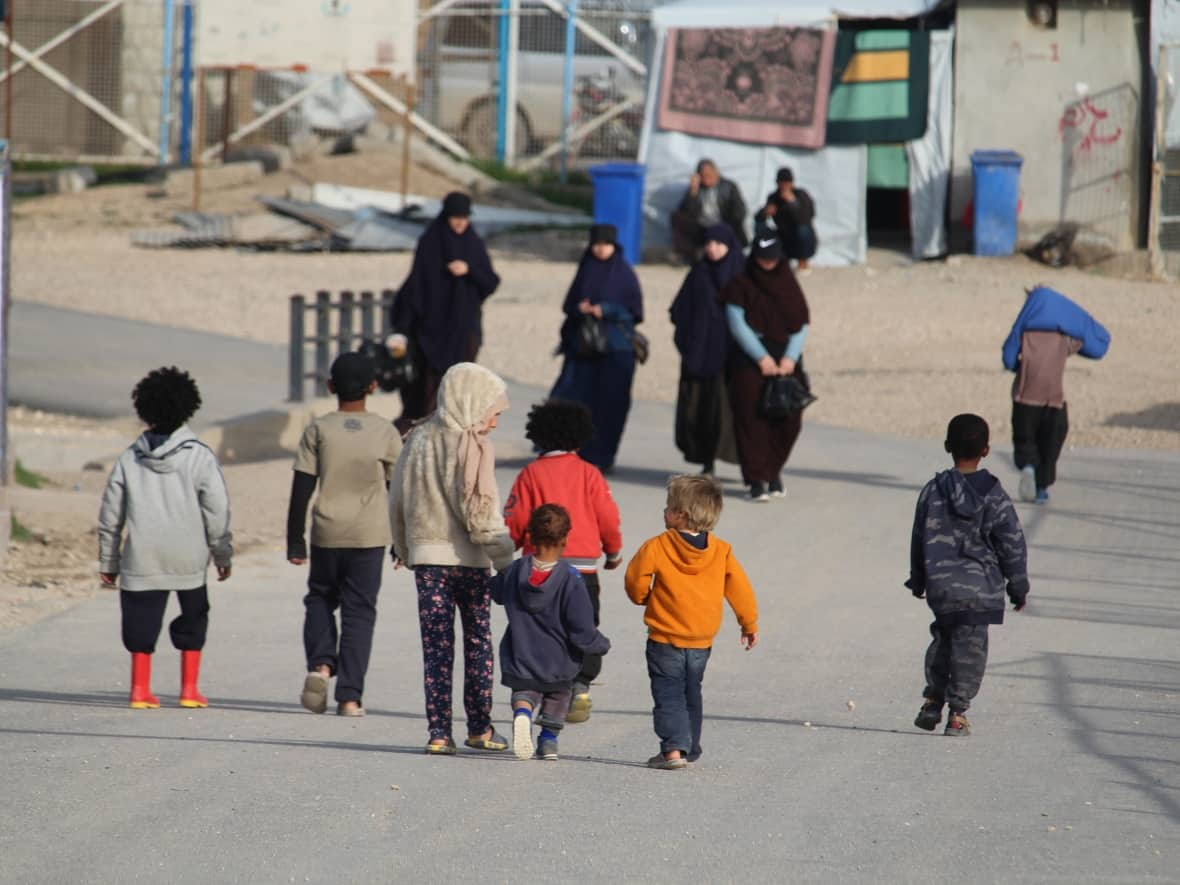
<point>702,337</point>
<point>439,307</point>
<point>768,318</point>
<point>606,288</point>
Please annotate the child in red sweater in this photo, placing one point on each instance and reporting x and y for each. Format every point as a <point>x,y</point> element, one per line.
<point>558,428</point>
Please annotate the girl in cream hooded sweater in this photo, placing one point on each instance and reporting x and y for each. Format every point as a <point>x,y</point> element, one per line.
<point>445,513</point>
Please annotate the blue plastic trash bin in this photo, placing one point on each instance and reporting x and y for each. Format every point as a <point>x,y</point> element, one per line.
<point>618,200</point>
<point>996,177</point>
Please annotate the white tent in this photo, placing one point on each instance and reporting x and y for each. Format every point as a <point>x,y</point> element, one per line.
<point>835,176</point>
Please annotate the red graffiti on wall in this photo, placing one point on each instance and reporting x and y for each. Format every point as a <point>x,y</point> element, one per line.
<point>1088,120</point>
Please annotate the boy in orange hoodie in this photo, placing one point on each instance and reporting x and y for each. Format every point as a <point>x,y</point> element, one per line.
<point>681,577</point>
<point>558,428</point>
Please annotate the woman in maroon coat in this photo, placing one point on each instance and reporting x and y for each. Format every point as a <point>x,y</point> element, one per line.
<point>768,318</point>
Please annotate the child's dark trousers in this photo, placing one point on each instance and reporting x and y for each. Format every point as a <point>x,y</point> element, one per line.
<point>955,662</point>
<point>591,664</point>
<point>676,675</point>
<point>549,707</point>
<point>1038,435</point>
<point>143,616</point>
<point>345,578</point>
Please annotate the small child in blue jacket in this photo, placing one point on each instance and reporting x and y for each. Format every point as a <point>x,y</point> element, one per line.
<point>967,548</point>
<point>550,629</point>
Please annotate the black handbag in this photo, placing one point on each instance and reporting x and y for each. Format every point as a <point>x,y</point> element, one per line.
<point>641,346</point>
<point>783,395</point>
<point>589,337</point>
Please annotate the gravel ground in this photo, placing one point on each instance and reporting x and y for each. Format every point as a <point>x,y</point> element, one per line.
<point>895,346</point>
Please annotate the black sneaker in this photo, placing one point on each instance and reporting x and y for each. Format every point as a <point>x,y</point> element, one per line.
<point>776,488</point>
<point>547,750</point>
<point>758,493</point>
<point>929,716</point>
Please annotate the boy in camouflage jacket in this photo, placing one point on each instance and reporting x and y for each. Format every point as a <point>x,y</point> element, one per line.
<point>967,549</point>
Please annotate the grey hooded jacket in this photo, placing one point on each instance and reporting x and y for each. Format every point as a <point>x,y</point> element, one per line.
<point>967,549</point>
<point>165,511</point>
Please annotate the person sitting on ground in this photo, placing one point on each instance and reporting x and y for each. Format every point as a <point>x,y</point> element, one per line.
<point>709,200</point>
<point>351,453</point>
<point>790,212</point>
<point>164,514</point>
<point>559,428</point>
<point>551,628</point>
<point>966,545</point>
<point>681,577</point>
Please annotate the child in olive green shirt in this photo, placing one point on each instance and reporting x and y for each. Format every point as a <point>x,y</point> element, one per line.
<point>351,453</point>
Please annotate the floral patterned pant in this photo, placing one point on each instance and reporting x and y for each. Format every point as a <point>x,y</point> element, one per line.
<point>442,589</point>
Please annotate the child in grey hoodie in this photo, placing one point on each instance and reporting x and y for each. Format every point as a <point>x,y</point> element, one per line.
<point>164,514</point>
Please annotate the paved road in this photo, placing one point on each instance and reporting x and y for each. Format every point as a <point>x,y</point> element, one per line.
<point>1073,774</point>
<point>85,364</point>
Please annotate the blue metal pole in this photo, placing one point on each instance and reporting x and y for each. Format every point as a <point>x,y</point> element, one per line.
<point>567,89</point>
<point>186,84</point>
<point>166,84</point>
<point>501,93</point>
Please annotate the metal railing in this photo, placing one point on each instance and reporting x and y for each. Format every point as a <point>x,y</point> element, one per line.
<point>336,331</point>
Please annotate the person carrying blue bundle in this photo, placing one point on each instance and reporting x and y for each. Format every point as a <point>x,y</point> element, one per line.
<point>1049,328</point>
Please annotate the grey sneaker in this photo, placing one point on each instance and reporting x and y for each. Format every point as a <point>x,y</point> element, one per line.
<point>1028,483</point>
<point>957,726</point>
<point>547,750</point>
<point>659,762</point>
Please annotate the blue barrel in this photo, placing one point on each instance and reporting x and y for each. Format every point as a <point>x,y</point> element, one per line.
<point>618,200</point>
<point>996,177</point>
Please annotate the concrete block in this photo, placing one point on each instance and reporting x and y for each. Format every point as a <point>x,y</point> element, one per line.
<point>179,182</point>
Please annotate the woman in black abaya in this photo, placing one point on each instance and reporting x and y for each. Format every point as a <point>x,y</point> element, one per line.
<point>439,307</point>
<point>702,337</point>
<point>605,288</point>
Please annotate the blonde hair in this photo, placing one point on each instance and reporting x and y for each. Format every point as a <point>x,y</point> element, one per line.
<point>698,498</point>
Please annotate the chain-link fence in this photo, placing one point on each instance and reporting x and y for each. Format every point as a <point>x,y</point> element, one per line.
<point>460,72</point>
<point>88,80</point>
<point>1164,237</point>
<point>1100,159</point>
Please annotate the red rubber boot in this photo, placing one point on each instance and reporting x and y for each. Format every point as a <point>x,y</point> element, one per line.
<point>190,669</point>
<point>141,682</point>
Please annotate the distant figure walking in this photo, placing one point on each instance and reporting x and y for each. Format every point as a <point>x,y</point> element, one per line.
<point>702,337</point>
<point>1048,329</point>
<point>602,308</point>
<point>769,321</point>
<point>439,307</point>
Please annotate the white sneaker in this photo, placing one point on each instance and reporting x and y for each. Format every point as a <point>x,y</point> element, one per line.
<point>1028,483</point>
<point>522,738</point>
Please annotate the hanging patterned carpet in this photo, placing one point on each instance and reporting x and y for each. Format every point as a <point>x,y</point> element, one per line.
<point>880,87</point>
<point>761,85</point>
